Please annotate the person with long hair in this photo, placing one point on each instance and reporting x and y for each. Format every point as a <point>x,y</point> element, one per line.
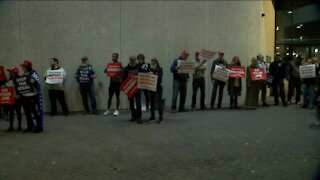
<point>156,97</point>
<point>234,85</point>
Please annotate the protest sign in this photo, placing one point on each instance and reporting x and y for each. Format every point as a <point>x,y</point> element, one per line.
<point>237,72</point>
<point>130,86</point>
<point>114,70</point>
<point>54,76</point>
<point>6,95</point>
<point>221,73</point>
<point>258,74</point>
<point>185,66</point>
<point>147,81</point>
<point>308,71</point>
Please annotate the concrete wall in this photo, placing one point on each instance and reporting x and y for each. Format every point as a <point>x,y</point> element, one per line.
<point>70,29</point>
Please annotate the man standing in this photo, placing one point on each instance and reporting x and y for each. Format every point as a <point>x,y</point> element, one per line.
<point>293,76</point>
<point>135,101</point>
<point>261,83</point>
<point>217,83</point>
<point>144,67</point>
<point>114,87</point>
<point>85,76</point>
<point>278,71</point>
<point>199,82</point>
<point>56,89</point>
<point>179,83</point>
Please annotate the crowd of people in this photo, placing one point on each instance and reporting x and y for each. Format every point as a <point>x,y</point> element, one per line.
<point>28,92</point>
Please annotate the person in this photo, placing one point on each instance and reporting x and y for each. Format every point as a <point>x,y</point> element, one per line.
<point>135,101</point>
<point>14,74</point>
<point>234,85</point>
<point>114,87</point>
<point>144,67</point>
<point>56,90</point>
<point>29,89</point>
<point>293,75</point>
<point>156,97</point>
<point>199,82</point>
<point>218,83</point>
<point>308,88</point>
<point>317,100</point>
<point>278,71</point>
<point>85,76</point>
<point>3,81</point>
<point>252,88</point>
<point>179,83</point>
<point>261,83</point>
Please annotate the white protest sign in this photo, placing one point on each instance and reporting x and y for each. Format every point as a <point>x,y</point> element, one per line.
<point>308,71</point>
<point>221,73</point>
<point>185,66</point>
<point>207,54</point>
<point>54,76</point>
<point>147,81</point>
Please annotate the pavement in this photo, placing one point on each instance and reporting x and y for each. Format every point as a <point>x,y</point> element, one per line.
<point>268,143</point>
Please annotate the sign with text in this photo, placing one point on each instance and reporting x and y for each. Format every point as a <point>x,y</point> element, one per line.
<point>258,74</point>
<point>207,54</point>
<point>54,76</point>
<point>2,74</point>
<point>147,81</point>
<point>237,72</point>
<point>6,95</point>
<point>221,73</point>
<point>114,70</point>
<point>308,71</point>
<point>185,66</point>
<point>130,86</point>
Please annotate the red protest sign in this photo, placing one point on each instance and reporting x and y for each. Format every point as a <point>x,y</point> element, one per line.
<point>257,74</point>
<point>6,95</point>
<point>2,74</point>
<point>114,69</point>
<point>130,86</point>
<point>237,72</point>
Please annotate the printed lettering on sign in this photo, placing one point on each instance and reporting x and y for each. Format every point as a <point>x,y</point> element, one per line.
<point>6,95</point>
<point>258,74</point>
<point>130,86</point>
<point>237,72</point>
<point>186,66</point>
<point>114,69</point>
<point>54,77</point>
<point>207,54</point>
<point>147,81</point>
<point>308,71</point>
<point>221,73</point>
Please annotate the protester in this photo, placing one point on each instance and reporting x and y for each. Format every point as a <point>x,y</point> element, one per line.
<point>218,83</point>
<point>144,67</point>
<point>56,90</point>
<point>29,90</point>
<point>135,101</point>
<point>234,85</point>
<point>85,76</point>
<point>261,83</point>
<point>308,85</point>
<point>278,71</point>
<point>14,74</point>
<point>156,97</point>
<point>114,86</point>
<point>252,88</point>
<point>179,83</point>
<point>3,80</point>
<point>293,76</point>
<point>199,82</point>
<point>317,89</point>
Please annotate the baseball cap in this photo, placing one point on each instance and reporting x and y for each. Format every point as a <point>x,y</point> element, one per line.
<point>13,69</point>
<point>26,63</point>
<point>185,52</point>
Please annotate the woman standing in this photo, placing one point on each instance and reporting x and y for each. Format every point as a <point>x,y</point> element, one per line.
<point>156,97</point>
<point>252,91</point>
<point>234,85</point>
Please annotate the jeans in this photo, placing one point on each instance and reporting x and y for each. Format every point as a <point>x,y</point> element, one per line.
<point>29,107</point>
<point>217,84</point>
<point>85,90</point>
<point>135,110</point>
<point>196,84</point>
<point>308,95</point>
<point>179,87</point>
